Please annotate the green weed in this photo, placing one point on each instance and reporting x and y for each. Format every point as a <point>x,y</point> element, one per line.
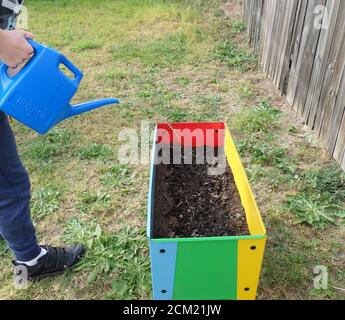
<point>86,45</point>
<point>329,180</point>
<point>45,201</point>
<point>272,177</point>
<point>53,144</point>
<point>113,76</point>
<point>209,101</point>
<point>262,119</point>
<point>262,153</point>
<point>292,130</point>
<point>315,210</point>
<point>182,115</point>
<point>321,198</point>
<point>178,115</point>
<point>245,92</point>
<point>238,26</point>
<point>323,294</point>
<point>219,13</point>
<point>267,154</point>
<point>95,151</point>
<point>94,202</point>
<point>206,115</point>
<point>236,57</point>
<point>124,255</point>
<point>182,81</point>
<point>117,176</point>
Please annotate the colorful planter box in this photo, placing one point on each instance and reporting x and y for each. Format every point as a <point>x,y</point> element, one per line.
<point>217,268</point>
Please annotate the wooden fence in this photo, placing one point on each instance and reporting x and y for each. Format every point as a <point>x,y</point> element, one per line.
<point>301,44</point>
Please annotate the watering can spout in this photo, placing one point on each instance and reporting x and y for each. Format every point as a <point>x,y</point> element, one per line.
<point>88,106</point>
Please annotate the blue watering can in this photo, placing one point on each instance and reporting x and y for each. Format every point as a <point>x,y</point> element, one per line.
<point>39,95</point>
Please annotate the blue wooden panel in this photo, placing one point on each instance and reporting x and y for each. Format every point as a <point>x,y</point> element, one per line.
<point>163,264</point>
<point>151,190</point>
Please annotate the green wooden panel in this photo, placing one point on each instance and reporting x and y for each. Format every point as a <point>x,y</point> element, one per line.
<point>206,270</point>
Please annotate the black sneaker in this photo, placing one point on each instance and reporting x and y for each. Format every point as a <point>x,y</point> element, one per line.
<point>56,261</point>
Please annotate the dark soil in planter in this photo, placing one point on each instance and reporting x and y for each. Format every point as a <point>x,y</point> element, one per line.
<point>191,203</point>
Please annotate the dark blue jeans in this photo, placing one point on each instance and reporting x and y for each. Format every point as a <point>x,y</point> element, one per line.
<point>15,223</point>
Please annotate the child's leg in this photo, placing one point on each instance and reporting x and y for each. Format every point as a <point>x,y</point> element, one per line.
<point>15,223</point>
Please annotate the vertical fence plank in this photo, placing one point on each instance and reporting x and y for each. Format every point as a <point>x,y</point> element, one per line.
<point>309,42</point>
<point>339,149</point>
<point>271,9</point>
<point>275,37</point>
<point>320,62</point>
<point>296,62</point>
<point>326,91</point>
<point>336,117</point>
<point>287,10</point>
<point>291,39</point>
<point>331,109</point>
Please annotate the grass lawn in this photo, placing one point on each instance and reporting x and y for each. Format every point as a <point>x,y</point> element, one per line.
<point>170,61</point>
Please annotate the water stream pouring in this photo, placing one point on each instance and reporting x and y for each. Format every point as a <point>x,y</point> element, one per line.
<point>39,95</point>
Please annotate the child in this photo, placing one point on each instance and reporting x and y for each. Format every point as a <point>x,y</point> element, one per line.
<point>15,223</point>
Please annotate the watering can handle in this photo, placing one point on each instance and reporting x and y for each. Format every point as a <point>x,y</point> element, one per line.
<point>78,75</point>
<point>36,46</point>
<point>37,49</point>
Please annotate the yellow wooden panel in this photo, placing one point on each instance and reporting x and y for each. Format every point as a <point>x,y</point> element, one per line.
<point>254,220</point>
<point>250,256</point>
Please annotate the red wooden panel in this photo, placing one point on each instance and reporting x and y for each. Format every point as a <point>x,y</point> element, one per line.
<point>211,134</point>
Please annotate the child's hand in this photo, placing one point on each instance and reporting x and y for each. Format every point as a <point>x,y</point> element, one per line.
<point>14,48</point>
<point>13,71</point>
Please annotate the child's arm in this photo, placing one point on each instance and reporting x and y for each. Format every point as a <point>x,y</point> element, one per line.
<point>14,48</point>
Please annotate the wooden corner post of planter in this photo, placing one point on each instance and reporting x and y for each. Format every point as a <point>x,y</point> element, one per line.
<point>198,266</point>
